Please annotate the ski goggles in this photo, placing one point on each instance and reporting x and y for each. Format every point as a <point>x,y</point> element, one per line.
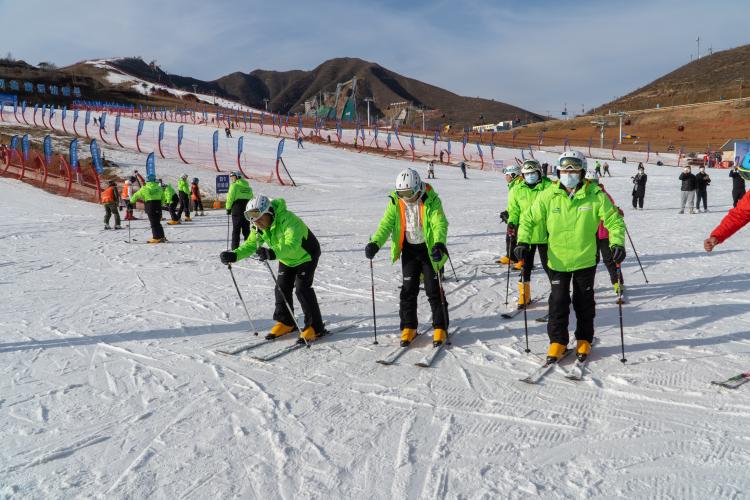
<point>744,173</point>
<point>571,164</point>
<point>407,194</point>
<point>254,214</point>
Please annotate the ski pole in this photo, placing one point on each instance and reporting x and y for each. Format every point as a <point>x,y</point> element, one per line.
<point>636,253</point>
<point>452,268</point>
<point>227,231</point>
<point>619,302</point>
<point>252,325</point>
<point>374,317</point>
<point>128,230</point>
<point>288,307</point>
<point>507,277</point>
<point>525,318</point>
<point>445,307</point>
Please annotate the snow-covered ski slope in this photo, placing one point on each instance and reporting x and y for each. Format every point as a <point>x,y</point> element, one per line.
<point>110,387</point>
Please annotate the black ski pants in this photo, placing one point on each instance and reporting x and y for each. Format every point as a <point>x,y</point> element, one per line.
<point>300,279</point>
<point>239,222</point>
<point>198,205</point>
<point>528,259</point>
<point>701,194</point>
<point>172,207</point>
<point>184,204</point>
<point>153,211</point>
<point>604,252</point>
<point>638,197</point>
<point>510,245</point>
<point>736,197</point>
<point>583,304</point>
<point>416,262</point>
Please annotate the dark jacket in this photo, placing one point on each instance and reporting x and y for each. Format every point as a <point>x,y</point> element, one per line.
<point>702,180</point>
<point>738,183</point>
<point>688,182</point>
<point>639,184</point>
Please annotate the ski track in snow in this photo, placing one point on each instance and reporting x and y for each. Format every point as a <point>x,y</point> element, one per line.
<point>112,388</point>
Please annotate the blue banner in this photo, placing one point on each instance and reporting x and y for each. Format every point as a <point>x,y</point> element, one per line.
<point>240,145</point>
<point>299,121</point>
<point>375,131</point>
<point>96,155</point>
<point>51,113</point>
<point>180,132</point>
<point>25,147</point>
<point>48,149</point>
<point>75,116</point>
<point>74,154</point>
<point>437,137</point>
<point>87,120</point>
<point>251,118</point>
<point>14,142</point>
<point>479,150</point>
<point>280,149</point>
<point>64,113</point>
<point>117,123</point>
<point>216,141</point>
<point>150,165</point>
<point>412,141</point>
<point>140,128</point>
<point>161,131</point>
<point>36,108</point>
<point>388,140</point>
<point>102,119</point>
<point>449,146</point>
<point>362,131</point>
<point>464,140</point>
<point>44,112</point>
<point>395,131</point>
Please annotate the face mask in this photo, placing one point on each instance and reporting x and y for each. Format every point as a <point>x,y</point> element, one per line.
<point>531,178</point>
<point>570,180</point>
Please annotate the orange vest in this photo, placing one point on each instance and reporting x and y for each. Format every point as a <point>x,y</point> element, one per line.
<point>126,190</point>
<point>108,196</point>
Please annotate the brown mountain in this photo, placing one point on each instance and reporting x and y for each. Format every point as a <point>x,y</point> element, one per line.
<point>721,75</point>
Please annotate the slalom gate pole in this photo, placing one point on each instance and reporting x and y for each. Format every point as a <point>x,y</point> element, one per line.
<point>288,307</point>
<point>452,268</point>
<point>636,253</point>
<point>287,172</point>
<point>619,303</point>
<point>374,317</point>
<point>128,229</point>
<point>252,325</point>
<point>445,307</point>
<point>228,231</point>
<point>507,277</point>
<point>525,317</point>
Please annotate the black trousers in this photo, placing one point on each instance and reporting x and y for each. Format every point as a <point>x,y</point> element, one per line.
<point>510,245</point>
<point>240,223</point>
<point>153,211</point>
<point>701,194</point>
<point>416,262</point>
<point>300,279</point>
<point>198,205</point>
<point>605,254</point>
<point>172,207</point>
<point>583,304</point>
<point>638,199</point>
<point>736,197</point>
<point>184,204</point>
<point>528,259</point>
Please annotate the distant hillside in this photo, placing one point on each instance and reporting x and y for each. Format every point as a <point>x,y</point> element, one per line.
<point>710,78</point>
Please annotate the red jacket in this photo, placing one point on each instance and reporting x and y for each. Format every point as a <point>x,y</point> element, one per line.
<point>733,220</point>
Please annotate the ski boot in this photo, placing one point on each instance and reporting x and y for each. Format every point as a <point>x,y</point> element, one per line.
<point>188,219</point>
<point>173,222</point>
<point>106,227</point>
<point>518,266</point>
<point>308,334</point>
<point>280,329</point>
<point>118,227</point>
<point>163,240</point>
<point>203,213</point>
<point>583,350</point>
<point>504,260</point>
<point>555,352</point>
<point>155,240</point>
<point>439,337</point>
<point>524,294</point>
<point>407,335</point>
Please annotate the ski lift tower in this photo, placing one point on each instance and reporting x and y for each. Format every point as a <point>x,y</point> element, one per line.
<point>602,124</point>
<point>621,114</point>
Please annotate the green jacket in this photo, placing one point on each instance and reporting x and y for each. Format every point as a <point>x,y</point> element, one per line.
<point>511,187</point>
<point>521,201</point>
<point>169,193</point>
<point>182,185</point>
<point>151,191</point>
<point>239,190</point>
<point>572,224</point>
<point>434,225</point>
<point>284,237</point>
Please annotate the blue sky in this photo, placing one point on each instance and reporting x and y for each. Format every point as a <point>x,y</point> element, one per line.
<point>534,54</point>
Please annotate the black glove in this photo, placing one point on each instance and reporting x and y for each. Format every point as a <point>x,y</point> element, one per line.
<point>511,231</point>
<point>264,254</point>
<point>618,253</point>
<point>520,251</point>
<point>438,250</point>
<point>371,249</point>
<point>228,257</point>
<point>229,212</point>
<point>504,216</point>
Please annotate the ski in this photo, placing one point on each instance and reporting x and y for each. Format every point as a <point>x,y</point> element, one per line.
<point>539,373</point>
<point>428,358</point>
<point>733,382</point>
<point>543,319</point>
<point>293,347</point>
<point>397,352</point>
<point>576,371</point>
<point>238,348</point>
<point>515,312</point>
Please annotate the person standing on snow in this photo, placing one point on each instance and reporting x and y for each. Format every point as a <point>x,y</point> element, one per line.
<point>152,196</point>
<point>606,170</point>
<point>431,170</point>
<point>462,166</point>
<point>128,189</point>
<point>195,195</point>
<point>571,211</point>
<point>702,180</point>
<point>111,202</point>
<point>738,185</point>
<point>290,241</point>
<point>602,243</point>
<point>240,193</point>
<point>639,187</point>
<point>524,195</point>
<point>736,218</point>
<point>687,190</point>
<point>598,169</point>
<point>170,201</point>
<point>512,178</point>
<point>415,222</point>
<point>183,193</point>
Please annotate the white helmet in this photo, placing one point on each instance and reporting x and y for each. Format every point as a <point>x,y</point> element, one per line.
<point>591,176</point>
<point>257,207</point>
<point>408,184</point>
<point>571,160</point>
<point>530,166</point>
<point>512,170</point>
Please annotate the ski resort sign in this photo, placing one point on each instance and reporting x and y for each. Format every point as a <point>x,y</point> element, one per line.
<point>222,184</point>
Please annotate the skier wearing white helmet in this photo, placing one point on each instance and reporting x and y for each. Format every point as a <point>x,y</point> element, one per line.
<point>512,178</point>
<point>289,240</point>
<point>570,212</point>
<point>238,196</point>
<point>416,224</point>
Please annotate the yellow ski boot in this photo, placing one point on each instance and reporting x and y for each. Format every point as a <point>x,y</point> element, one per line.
<point>173,222</point>
<point>583,349</point>
<point>280,329</point>
<point>154,240</point>
<point>518,266</point>
<point>555,352</point>
<point>524,294</point>
<point>439,337</point>
<point>188,219</point>
<point>504,260</point>
<point>407,335</point>
<point>308,334</point>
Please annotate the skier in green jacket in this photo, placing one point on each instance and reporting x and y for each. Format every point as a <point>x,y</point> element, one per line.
<point>513,179</point>
<point>183,194</point>
<point>170,201</point>
<point>290,241</point>
<point>240,193</point>
<point>416,224</point>
<point>570,212</point>
<point>524,195</point>
<point>151,194</point>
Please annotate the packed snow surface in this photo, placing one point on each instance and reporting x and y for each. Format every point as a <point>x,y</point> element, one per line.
<point>112,388</point>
